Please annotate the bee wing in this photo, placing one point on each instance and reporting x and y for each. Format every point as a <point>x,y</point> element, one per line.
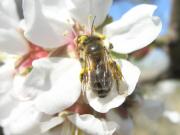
<point>119,82</point>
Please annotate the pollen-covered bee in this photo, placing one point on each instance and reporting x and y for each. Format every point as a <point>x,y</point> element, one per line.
<point>99,71</point>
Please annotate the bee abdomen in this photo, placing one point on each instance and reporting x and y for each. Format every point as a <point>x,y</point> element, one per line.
<point>101,88</point>
<point>102,93</point>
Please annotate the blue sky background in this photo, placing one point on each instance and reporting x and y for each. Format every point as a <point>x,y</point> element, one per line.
<point>163,10</point>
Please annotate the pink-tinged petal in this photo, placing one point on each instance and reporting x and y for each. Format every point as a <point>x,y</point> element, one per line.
<point>12,42</point>
<point>92,125</point>
<point>135,30</point>
<point>82,11</point>
<point>42,29</point>
<point>61,76</point>
<point>24,119</point>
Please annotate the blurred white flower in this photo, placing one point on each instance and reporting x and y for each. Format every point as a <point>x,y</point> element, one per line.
<point>167,87</point>
<point>153,109</point>
<point>153,64</point>
<point>172,116</point>
<point>125,125</point>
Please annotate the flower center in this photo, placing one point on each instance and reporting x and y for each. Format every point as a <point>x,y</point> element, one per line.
<point>80,108</point>
<point>24,63</point>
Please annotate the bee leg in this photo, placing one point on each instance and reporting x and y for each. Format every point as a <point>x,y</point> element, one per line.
<point>118,87</point>
<point>117,74</point>
<point>84,79</point>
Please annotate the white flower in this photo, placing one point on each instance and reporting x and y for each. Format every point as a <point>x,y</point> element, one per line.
<point>133,31</point>
<point>55,81</point>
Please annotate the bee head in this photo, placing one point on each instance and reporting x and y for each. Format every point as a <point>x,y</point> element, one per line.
<point>86,39</point>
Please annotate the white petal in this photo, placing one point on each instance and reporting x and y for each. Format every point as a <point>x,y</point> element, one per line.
<point>81,10</point>
<point>24,119</point>
<point>150,64</point>
<point>91,125</point>
<point>48,125</point>
<point>53,5</point>
<point>6,77</point>
<point>114,98</point>
<point>149,106</point>
<point>40,29</point>
<point>135,30</point>
<point>7,104</point>
<point>12,42</point>
<point>9,8</point>
<point>103,105</point>
<point>6,22</point>
<point>19,91</point>
<point>130,74</point>
<point>65,85</point>
<point>125,125</point>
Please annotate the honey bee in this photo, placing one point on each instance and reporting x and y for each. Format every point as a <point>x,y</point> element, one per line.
<point>99,70</point>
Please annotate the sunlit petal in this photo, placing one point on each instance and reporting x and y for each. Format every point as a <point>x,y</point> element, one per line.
<point>64,83</point>
<point>40,29</point>
<point>81,10</point>
<point>135,30</point>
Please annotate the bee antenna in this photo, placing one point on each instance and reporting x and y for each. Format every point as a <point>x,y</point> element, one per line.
<point>92,26</point>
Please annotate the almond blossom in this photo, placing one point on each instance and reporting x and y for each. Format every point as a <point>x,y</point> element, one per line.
<point>133,31</point>
<point>55,81</point>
